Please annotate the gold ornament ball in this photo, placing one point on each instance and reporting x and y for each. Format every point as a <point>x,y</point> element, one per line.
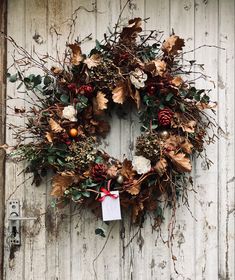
<point>164,134</point>
<point>73,132</point>
<point>120,179</point>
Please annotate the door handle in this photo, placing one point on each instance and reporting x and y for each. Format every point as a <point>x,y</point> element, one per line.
<point>14,219</point>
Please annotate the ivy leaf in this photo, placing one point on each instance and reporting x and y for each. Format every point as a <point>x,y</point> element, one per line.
<point>86,194</point>
<point>64,98</point>
<point>169,96</point>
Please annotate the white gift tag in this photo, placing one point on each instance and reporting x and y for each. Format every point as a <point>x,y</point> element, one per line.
<point>111,207</point>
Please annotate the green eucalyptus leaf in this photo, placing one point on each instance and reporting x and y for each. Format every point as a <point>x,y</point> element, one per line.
<point>169,96</point>
<point>64,98</point>
<point>86,194</point>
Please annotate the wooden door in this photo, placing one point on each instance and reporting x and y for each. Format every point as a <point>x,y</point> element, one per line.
<point>62,244</point>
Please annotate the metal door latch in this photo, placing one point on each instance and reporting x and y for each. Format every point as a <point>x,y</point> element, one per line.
<point>15,222</point>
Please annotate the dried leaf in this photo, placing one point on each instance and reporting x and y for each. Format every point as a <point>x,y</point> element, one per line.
<point>60,183</point>
<point>134,188</point>
<point>119,94</point>
<point>93,61</point>
<point>55,127</point>
<point>77,56</point>
<point>127,169</point>
<point>180,161</point>
<point>189,127</point>
<point>130,32</point>
<point>112,171</point>
<point>187,147</point>
<point>136,98</point>
<point>137,208</point>
<point>56,70</point>
<point>19,110</point>
<point>172,45</point>
<point>203,106</point>
<point>160,67</point>
<point>161,166</point>
<point>49,136</point>
<point>177,81</point>
<point>173,142</point>
<point>101,101</point>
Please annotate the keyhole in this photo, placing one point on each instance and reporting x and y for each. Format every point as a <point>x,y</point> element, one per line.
<point>14,231</point>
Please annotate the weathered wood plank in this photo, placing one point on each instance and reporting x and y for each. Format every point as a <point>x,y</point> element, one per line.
<point>206,181</point>
<point>14,187</point>
<point>3,50</point>
<point>225,161</point>
<point>182,23</point>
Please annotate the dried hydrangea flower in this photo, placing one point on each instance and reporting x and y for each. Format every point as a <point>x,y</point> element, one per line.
<point>141,164</point>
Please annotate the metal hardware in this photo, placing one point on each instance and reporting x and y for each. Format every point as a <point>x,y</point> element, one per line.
<point>15,221</point>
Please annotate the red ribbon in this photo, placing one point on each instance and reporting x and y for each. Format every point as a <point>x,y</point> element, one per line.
<point>107,193</point>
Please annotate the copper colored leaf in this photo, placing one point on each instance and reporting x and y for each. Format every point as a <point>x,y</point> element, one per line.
<point>160,67</point>
<point>161,166</point>
<point>180,161</point>
<point>56,70</point>
<point>112,171</point>
<point>177,81</point>
<point>172,45</point>
<point>137,208</point>
<point>189,127</point>
<point>77,56</point>
<point>55,127</point>
<point>136,97</point>
<point>187,146</point>
<point>172,143</point>
<point>49,137</point>
<point>60,183</point>
<point>119,94</point>
<point>101,101</point>
<point>134,189</point>
<point>203,106</point>
<point>130,32</point>
<point>127,169</point>
<point>93,61</point>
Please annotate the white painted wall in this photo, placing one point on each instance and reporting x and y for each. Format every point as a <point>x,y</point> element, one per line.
<point>63,245</point>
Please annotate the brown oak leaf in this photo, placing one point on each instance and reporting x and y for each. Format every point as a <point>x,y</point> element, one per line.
<point>136,209</point>
<point>93,61</point>
<point>112,171</point>
<point>135,187</point>
<point>119,94</point>
<point>61,182</point>
<point>177,81</point>
<point>49,136</point>
<point>187,146</point>
<point>136,97</point>
<point>180,161</point>
<point>172,45</point>
<point>161,166</point>
<point>189,127</point>
<point>160,67</point>
<point>127,169</point>
<point>101,101</point>
<point>130,32</point>
<point>203,106</point>
<point>55,127</point>
<point>77,56</point>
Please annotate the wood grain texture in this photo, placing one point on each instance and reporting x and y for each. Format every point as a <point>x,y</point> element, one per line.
<point>62,244</point>
<point>3,50</point>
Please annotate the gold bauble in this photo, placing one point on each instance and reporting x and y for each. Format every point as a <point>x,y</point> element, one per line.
<point>120,179</point>
<point>164,134</point>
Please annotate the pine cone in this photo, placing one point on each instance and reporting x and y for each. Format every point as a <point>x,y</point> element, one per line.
<point>99,172</point>
<point>165,116</point>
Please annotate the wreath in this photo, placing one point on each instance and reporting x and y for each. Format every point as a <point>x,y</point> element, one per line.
<point>128,71</point>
